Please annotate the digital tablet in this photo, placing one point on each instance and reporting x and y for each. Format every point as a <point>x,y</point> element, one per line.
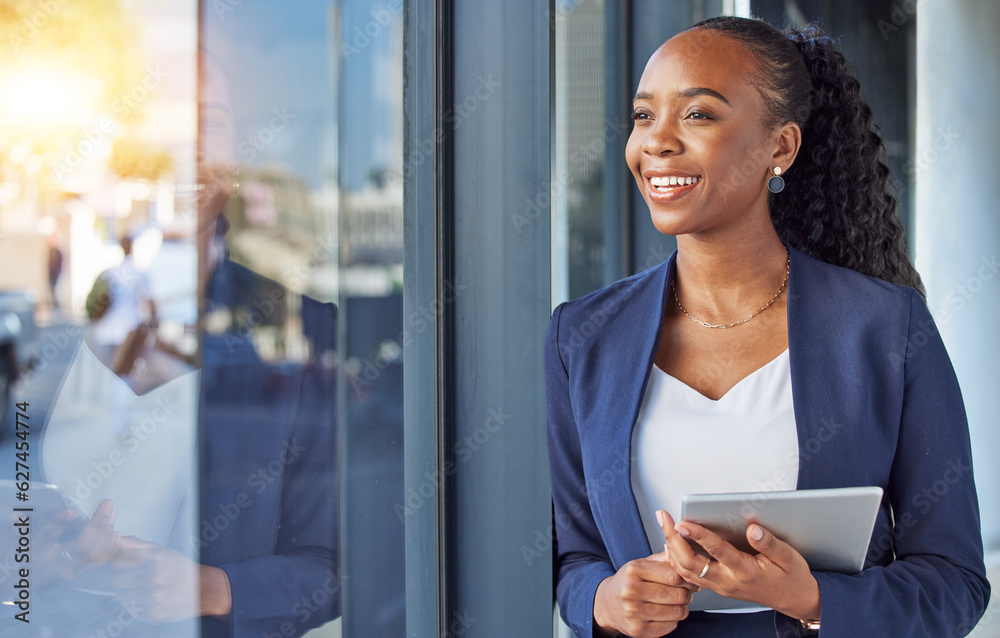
<point>44,502</point>
<point>831,528</point>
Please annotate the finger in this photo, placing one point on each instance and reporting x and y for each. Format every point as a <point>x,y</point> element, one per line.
<point>101,524</point>
<point>661,573</point>
<point>719,549</point>
<point>678,548</point>
<point>772,547</point>
<point>697,568</point>
<point>667,525</point>
<point>683,554</point>
<point>660,594</point>
<point>97,543</point>
<point>103,517</point>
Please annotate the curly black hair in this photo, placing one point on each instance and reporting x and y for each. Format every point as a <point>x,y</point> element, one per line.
<point>839,204</point>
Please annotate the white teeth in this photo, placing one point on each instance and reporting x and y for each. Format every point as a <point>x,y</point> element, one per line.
<point>662,182</point>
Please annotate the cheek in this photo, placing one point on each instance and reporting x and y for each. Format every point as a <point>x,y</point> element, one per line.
<point>633,152</point>
<point>744,161</point>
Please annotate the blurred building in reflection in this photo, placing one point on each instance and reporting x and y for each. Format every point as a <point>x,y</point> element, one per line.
<point>372,226</point>
<point>284,230</point>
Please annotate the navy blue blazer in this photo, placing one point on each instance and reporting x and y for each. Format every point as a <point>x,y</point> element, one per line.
<point>876,403</point>
<point>268,462</point>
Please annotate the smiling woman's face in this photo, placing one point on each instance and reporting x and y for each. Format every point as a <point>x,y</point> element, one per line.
<point>216,143</point>
<point>698,149</point>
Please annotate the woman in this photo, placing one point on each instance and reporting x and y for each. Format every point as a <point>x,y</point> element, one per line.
<point>785,345</point>
<point>214,493</point>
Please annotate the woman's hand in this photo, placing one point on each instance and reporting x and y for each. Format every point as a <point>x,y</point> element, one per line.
<point>163,585</point>
<point>778,577</point>
<point>94,545</point>
<point>98,541</point>
<point>645,599</point>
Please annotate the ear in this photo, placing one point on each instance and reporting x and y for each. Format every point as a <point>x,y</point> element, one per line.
<point>788,139</point>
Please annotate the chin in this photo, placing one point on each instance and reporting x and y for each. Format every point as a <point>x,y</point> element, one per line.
<point>674,222</point>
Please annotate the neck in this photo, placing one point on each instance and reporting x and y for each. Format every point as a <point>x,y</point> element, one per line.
<point>722,281</point>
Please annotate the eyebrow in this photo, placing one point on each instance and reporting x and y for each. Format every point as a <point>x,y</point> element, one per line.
<point>692,92</point>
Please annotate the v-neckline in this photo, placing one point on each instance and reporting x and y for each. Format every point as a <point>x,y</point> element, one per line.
<point>754,373</point>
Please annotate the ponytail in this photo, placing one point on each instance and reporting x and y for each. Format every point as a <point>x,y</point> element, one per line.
<point>839,204</point>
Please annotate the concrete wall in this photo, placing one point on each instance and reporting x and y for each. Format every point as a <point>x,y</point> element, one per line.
<point>958,213</point>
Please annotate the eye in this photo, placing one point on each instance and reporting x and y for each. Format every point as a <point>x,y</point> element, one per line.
<point>639,115</point>
<point>700,115</point>
<point>212,122</point>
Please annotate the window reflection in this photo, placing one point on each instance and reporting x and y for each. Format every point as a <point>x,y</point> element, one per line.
<point>94,156</point>
<point>267,442</point>
<point>193,275</point>
<point>581,135</point>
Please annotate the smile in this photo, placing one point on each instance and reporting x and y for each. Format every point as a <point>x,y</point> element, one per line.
<point>669,188</point>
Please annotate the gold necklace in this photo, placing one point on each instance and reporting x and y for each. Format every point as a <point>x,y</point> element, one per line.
<point>788,263</point>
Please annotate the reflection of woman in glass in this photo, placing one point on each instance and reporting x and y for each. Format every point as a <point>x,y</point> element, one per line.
<point>784,346</point>
<point>268,492</point>
<point>230,530</point>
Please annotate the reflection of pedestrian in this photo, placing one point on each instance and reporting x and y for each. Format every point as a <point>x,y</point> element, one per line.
<point>119,302</point>
<point>55,268</point>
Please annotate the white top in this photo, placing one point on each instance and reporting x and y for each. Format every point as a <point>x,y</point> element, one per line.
<point>103,441</point>
<point>685,443</point>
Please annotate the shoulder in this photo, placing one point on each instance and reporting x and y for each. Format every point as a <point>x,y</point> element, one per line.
<point>610,302</point>
<point>237,282</point>
<point>838,314</point>
<point>835,292</point>
<point>609,323</point>
<point>236,285</point>
<point>837,280</point>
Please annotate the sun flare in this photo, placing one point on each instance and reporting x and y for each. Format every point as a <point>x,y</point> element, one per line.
<point>43,98</point>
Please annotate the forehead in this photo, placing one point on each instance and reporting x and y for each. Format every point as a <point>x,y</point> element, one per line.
<point>700,58</point>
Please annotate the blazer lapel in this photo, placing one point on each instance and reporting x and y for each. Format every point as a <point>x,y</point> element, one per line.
<point>616,385</point>
<point>818,358</point>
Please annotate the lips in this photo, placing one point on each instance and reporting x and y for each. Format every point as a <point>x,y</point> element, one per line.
<point>669,187</point>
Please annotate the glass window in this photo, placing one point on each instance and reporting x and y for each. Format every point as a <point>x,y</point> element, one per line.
<point>581,132</point>
<point>200,288</point>
<point>98,170</point>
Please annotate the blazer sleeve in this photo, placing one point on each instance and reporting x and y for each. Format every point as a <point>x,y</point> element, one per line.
<point>297,587</point>
<point>581,559</point>
<point>935,585</point>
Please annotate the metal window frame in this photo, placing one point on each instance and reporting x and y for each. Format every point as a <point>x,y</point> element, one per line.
<point>487,281</point>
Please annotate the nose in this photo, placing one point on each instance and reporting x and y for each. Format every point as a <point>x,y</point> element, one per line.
<point>662,139</point>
